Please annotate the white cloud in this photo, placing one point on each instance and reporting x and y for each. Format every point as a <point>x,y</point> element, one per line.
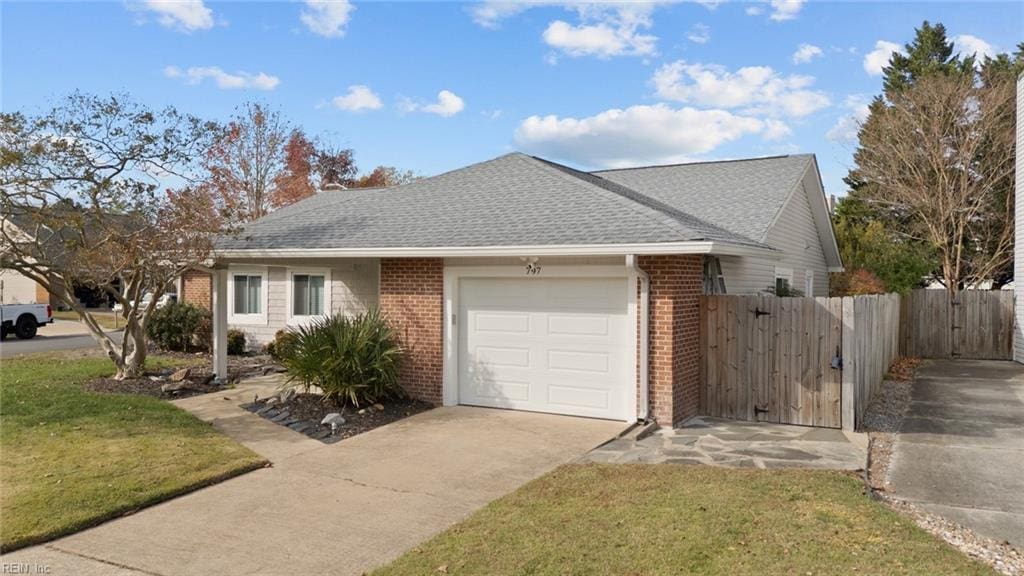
<point>756,89</point>
<point>183,15</point>
<point>846,128</point>
<point>448,104</point>
<point>805,53</point>
<point>327,18</point>
<point>490,14</point>
<point>604,30</point>
<point>359,97</point>
<point>699,33</point>
<point>972,45</point>
<point>775,130</point>
<point>783,10</point>
<point>639,134</point>
<point>878,58</point>
<point>754,10</point>
<point>224,80</point>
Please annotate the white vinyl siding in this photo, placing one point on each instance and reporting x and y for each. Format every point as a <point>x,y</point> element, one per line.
<point>350,287</point>
<point>796,236</point>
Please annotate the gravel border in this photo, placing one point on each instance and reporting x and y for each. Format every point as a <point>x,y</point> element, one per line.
<point>882,421</point>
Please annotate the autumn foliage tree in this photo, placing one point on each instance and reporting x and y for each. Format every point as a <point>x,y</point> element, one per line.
<point>101,192</point>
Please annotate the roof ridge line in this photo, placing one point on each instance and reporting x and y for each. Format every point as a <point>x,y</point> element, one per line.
<point>675,215</point>
<point>678,164</point>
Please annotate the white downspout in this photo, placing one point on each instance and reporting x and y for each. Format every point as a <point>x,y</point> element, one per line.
<point>644,345</point>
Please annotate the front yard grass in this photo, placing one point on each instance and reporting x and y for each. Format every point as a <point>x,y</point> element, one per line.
<point>668,519</point>
<point>70,458</point>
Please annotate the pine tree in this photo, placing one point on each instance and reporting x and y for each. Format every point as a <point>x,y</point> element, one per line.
<point>929,53</point>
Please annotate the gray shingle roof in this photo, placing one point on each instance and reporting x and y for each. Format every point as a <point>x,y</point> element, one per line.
<point>512,200</point>
<point>739,195</point>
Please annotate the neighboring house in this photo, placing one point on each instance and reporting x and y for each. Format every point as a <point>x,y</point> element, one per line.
<point>521,283</point>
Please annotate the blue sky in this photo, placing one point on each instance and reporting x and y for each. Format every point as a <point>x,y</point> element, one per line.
<point>432,86</point>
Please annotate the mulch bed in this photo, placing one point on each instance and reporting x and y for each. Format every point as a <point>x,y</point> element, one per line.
<point>159,384</point>
<point>304,412</point>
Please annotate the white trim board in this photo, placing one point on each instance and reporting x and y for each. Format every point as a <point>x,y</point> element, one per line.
<point>701,247</point>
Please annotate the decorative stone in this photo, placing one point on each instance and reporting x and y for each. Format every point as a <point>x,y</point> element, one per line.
<point>333,419</point>
<point>171,387</point>
<point>281,417</point>
<point>272,369</point>
<point>378,407</point>
<point>287,395</point>
<point>180,375</point>
<point>270,401</point>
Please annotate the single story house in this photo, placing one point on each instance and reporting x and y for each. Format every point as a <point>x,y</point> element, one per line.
<point>526,284</point>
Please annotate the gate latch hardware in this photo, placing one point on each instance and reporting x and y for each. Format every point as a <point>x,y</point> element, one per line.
<point>837,360</point>
<point>758,313</point>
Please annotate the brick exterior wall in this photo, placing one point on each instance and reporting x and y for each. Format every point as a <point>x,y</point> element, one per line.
<point>674,361</point>
<point>197,289</point>
<point>412,297</point>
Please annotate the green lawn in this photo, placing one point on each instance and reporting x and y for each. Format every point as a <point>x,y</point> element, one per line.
<point>667,519</point>
<point>104,318</point>
<point>70,459</point>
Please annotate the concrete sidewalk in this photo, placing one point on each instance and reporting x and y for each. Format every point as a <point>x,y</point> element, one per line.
<point>960,450</point>
<point>342,508</point>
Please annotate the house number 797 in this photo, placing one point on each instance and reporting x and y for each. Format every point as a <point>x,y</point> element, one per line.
<point>532,269</point>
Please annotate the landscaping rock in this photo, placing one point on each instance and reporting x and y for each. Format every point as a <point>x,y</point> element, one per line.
<point>270,401</point>
<point>378,407</point>
<point>272,369</point>
<point>180,375</point>
<point>281,417</point>
<point>286,395</point>
<point>333,418</point>
<point>172,387</point>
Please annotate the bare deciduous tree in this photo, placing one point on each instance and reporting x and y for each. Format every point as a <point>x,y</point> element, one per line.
<point>100,192</point>
<point>939,151</point>
<point>245,160</point>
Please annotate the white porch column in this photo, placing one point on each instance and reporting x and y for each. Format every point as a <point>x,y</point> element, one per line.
<point>220,323</point>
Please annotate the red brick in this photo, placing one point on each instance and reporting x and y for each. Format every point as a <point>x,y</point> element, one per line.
<point>412,298</point>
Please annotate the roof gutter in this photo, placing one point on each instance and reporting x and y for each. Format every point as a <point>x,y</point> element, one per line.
<point>695,247</point>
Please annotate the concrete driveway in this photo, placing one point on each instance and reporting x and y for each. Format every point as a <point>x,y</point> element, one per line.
<point>960,451</point>
<point>342,508</point>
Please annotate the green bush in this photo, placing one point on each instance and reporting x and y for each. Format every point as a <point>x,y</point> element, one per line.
<point>179,326</point>
<point>236,342</point>
<point>352,360</point>
<point>279,347</point>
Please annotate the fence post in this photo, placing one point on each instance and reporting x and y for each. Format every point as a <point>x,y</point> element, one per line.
<point>848,394</point>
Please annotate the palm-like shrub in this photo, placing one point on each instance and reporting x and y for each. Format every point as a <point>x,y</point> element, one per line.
<point>352,360</point>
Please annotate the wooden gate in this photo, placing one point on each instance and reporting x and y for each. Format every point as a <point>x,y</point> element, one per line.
<point>975,324</point>
<point>772,359</point>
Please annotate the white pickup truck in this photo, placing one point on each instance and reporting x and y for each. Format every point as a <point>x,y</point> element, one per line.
<point>23,320</point>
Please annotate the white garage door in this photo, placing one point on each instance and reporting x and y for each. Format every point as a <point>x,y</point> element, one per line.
<point>558,345</point>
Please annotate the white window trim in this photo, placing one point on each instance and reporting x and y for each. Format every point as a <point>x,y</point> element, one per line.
<point>299,320</point>
<point>248,319</point>
<point>808,282</point>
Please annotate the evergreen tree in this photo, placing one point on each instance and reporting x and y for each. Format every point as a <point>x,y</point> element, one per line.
<point>929,53</point>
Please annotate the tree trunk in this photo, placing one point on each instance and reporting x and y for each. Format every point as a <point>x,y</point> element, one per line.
<point>134,362</point>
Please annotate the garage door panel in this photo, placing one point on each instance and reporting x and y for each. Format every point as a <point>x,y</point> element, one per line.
<point>575,398</point>
<point>578,325</point>
<point>510,357</point>
<point>549,345</point>
<point>516,323</point>
<point>579,361</point>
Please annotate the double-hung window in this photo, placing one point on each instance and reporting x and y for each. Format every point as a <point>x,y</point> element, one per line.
<point>247,289</point>
<point>308,294</point>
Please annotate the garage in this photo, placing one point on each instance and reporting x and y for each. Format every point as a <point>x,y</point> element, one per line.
<point>558,345</point>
